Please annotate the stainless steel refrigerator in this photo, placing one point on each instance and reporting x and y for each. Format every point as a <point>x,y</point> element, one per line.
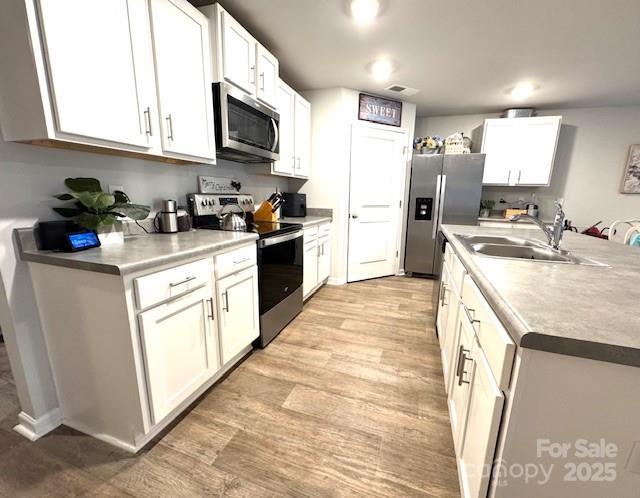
<point>445,189</point>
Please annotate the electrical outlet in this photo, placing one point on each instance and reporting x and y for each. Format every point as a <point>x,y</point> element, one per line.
<point>114,188</point>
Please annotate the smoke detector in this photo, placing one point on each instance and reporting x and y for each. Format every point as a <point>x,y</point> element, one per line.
<point>403,90</point>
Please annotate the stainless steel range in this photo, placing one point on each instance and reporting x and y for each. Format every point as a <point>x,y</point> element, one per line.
<point>279,258</point>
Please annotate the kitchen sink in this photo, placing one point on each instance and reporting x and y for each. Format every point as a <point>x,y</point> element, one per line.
<point>507,241</point>
<point>521,249</point>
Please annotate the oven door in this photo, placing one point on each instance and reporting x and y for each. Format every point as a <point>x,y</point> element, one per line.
<point>279,268</point>
<point>246,129</point>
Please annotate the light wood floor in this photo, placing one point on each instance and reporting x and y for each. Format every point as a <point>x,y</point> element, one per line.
<point>348,400</point>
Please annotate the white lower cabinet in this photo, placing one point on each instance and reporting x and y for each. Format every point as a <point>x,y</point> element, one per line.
<point>180,347</point>
<point>484,411</point>
<point>477,356</point>
<point>310,268</point>
<point>316,258</point>
<point>237,308</point>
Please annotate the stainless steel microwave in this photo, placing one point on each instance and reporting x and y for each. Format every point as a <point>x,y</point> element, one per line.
<point>246,130</point>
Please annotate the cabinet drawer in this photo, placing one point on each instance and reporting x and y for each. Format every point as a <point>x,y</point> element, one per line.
<point>233,261</point>
<point>163,285</point>
<point>310,234</point>
<point>494,340</point>
<point>457,270</point>
<point>324,229</point>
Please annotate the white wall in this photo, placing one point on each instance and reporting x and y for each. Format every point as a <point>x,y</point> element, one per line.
<point>333,111</point>
<point>29,176</point>
<point>591,156</point>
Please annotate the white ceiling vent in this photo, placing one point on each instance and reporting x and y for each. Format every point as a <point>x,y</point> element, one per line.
<point>405,91</point>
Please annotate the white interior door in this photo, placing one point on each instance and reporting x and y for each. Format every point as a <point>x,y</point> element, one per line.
<point>183,66</point>
<point>92,47</point>
<point>378,166</point>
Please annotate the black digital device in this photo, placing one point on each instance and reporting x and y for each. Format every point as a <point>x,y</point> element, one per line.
<point>80,241</point>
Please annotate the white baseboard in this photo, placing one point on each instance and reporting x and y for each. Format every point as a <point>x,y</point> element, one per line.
<point>34,429</point>
<point>336,281</point>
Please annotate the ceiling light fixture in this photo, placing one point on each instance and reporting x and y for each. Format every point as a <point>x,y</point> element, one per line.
<point>381,70</point>
<point>523,91</point>
<point>364,11</point>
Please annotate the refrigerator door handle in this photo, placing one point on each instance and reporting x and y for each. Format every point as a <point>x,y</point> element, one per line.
<point>436,207</point>
<point>443,189</point>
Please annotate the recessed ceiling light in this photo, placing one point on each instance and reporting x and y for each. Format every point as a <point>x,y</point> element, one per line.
<point>364,11</point>
<point>523,91</point>
<point>381,70</point>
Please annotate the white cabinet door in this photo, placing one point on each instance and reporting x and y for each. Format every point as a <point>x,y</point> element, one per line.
<point>310,267</point>
<point>180,349</point>
<point>267,71</point>
<point>324,258</point>
<point>463,372</point>
<point>286,108</point>
<point>499,145</point>
<point>238,312</point>
<point>99,60</point>
<point>238,54</point>
<point>181,45</point>
<point>444,308</point>
<point>539,139</point>
<point>483,422</point>
<point>302,137</point>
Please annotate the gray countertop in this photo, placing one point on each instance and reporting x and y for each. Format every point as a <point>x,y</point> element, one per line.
<point>308,221</point>
<point>585,311</point>
<point>140,252</point>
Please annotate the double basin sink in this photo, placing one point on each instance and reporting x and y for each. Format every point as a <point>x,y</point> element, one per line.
<point>520,249</point>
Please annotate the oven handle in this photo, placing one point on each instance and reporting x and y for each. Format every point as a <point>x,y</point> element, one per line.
<point>280,238</point>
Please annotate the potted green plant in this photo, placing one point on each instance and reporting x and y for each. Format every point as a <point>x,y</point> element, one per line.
<point>485,208</point>
<point>92,208</point>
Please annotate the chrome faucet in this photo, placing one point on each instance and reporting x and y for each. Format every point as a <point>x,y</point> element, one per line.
<point>553,234</point>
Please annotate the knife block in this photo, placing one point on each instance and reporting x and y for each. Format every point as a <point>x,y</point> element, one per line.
<point>264,213</point>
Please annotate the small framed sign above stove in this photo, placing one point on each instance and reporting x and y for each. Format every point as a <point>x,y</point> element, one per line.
<point>218,185</point>
<point>380,110</point>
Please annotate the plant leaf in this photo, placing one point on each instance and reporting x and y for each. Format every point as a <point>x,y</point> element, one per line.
<point>64,197</point>
<point>83,184</point>
<point>121,197</point>
<point>133,211</point>
<point>68,212</point>
<point>98,201</point>
<point>95,221</point>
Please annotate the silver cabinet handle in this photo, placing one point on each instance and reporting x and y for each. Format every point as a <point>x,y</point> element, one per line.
<point>147,122</point>
<point>186,280</point>
<point>262,81</point>
<point>210,301</point>
<point>462,358</point>
<point>294,162</point>
<point>252,75</point>
<point>225,302</point>
<point>509,178</point>
<point>169,127</point>
<point>298,162</point>
<point>443,294</point>
<point>468,311</point>
<point>238,261</point>
<point>519,175</point>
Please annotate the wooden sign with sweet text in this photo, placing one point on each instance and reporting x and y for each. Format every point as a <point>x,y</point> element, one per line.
<point>380,110</point>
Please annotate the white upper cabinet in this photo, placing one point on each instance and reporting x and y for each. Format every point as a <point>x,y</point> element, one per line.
<point>520,151</point>
<point>127,75</point>
<point>238,54</point>
<point>267,81</point>
<point>286,108</point>
<point>239,58</point>
<point>180,40</point>
<point>302,137</point>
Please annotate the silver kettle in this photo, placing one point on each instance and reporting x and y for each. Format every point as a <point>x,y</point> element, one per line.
<point>231,220</point>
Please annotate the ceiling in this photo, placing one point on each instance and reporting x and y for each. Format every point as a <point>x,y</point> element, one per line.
<point>463,56</point>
